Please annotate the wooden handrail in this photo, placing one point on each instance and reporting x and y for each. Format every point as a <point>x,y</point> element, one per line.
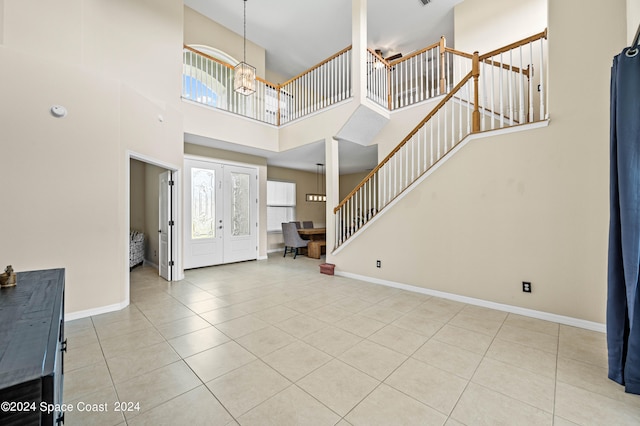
<point>329,59</point>
<point>506,67</point>
<point>458,52</point>
<point>191,49</point>
<point>379,57</point>
<point>519,43</point>
<point>416,53</point>
<point>405,140</point>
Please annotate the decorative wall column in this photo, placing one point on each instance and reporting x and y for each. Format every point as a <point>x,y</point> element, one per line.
<point>332,177</point>
<point>359,49</point>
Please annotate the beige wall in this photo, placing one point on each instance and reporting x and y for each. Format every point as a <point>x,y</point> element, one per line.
<point>198,29</point>
<point>305,183</point>
<point>486,25</point>
<point>62,180</point>
<point>527,206</point>
<point>70,176</point>
<point>349,182</point>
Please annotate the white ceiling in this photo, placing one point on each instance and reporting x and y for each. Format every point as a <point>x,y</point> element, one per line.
<point>297,34</point>
<point>354,158</point>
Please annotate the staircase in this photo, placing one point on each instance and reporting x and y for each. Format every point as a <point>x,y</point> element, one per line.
<point>504,88</point>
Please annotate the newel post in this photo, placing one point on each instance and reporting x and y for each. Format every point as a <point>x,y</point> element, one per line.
<point>475,72</point>
<point>443,80</point>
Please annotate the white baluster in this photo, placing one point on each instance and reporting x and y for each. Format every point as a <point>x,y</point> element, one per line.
<point>493,95</point>
<point>469,112</point>
<point>445,136</point>
<point>511,94</point>
<point>531,74</point>
<point>500,73</point>
<point>521,104</point>
<point>460,108</point>
<point>542,86</point>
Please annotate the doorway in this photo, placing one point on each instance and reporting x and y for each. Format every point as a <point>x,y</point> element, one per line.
<point>152,213</point>
<point>221,211</point>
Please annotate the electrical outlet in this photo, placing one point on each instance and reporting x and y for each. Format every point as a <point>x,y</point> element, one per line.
<point>378,264</point>
<point>526,287</point>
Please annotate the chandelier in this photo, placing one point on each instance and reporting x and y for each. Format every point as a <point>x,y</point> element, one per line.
<point>244,81</point>
<point>320,196</point>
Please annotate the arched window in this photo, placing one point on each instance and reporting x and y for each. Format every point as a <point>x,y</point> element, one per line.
<point>208,81</point>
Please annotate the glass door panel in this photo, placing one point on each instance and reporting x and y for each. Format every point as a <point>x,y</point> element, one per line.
<point>203,203</point>
<point>240,209</point>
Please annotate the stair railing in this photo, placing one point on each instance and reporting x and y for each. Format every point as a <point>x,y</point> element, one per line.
<point>513,84</point>
<point>436,135</point>
<point>498,91</point>
<point>419,76</point>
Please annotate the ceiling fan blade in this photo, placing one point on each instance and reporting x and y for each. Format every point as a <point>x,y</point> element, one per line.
<point>393,57</point>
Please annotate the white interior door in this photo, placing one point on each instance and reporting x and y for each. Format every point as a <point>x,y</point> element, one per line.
<point>166,225</point>
<point>203,237</point>
<point>240,213</point>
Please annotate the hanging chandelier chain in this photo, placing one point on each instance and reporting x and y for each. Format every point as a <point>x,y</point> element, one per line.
<point>244,46</point>
<point>244,80</point>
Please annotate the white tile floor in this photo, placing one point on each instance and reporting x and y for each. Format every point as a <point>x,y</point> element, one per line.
<point>277,343</point>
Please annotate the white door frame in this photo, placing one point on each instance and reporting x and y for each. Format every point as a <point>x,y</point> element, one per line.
<point>166,197</point>
<point>178,272</point>
<point>232,163</point>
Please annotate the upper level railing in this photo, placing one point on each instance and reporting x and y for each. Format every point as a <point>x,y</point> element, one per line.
<point>209,81</point>
<point>422,75</point>
<point>323,85</point>
<point>503,88</point>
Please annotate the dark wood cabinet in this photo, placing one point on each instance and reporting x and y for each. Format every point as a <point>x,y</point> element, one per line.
<point>32,346</point>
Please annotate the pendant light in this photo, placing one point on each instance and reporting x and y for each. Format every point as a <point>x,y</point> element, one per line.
<point>244,81</point>
<point>320,196</point>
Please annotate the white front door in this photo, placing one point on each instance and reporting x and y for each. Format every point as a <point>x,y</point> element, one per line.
<point>240,210</point>
<point>221,213</point>
<point>166,225</point>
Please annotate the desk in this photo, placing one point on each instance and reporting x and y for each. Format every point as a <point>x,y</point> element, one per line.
<point>313,233</point>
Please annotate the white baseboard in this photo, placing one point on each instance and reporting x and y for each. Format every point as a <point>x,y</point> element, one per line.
<point>546,316</point>
<point>95,311</point>
<point>150,263</point>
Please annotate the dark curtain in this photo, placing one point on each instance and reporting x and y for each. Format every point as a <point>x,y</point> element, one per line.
<point>623,303</point>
